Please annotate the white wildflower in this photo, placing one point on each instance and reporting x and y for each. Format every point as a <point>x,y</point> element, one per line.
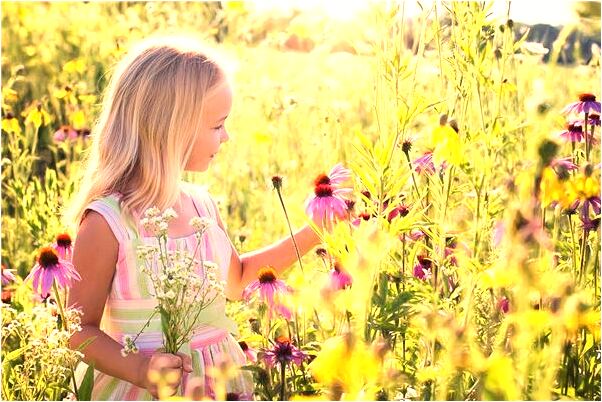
<point>200,224</point>
<point>151,212</point>
<point>169,214</point>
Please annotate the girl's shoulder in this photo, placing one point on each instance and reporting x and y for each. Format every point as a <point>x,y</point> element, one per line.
<point>109,207</point>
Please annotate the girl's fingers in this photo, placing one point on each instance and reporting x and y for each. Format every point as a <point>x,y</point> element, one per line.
<point>186,362</point>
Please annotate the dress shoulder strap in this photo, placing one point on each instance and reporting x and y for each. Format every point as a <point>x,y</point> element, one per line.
<point>110,209</point>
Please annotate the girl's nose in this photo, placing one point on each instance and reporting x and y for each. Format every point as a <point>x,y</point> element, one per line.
<point>225,136</point>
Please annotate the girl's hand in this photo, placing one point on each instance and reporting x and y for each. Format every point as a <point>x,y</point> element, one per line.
<point>164,370</point>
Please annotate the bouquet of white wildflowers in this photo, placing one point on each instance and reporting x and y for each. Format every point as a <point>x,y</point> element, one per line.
<point>182,292</point>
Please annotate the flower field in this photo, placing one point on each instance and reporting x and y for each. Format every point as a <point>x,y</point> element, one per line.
<point>464,260</point>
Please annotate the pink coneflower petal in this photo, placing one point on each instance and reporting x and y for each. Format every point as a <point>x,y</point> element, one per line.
<point>47,280</point>
<point>7,276</point>
<point>339,174</point>
<point>250,289</point>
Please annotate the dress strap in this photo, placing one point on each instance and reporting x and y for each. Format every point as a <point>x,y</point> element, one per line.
<point>110,210</point>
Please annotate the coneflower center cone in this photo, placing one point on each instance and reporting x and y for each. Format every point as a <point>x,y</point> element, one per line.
<point>267,275</point>
<point>48,257</point>
<point>63,240</point>
<point>323,190</point>
<point>587,97</point>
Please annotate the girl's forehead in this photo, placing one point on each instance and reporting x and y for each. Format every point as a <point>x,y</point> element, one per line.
<point>219,101</point>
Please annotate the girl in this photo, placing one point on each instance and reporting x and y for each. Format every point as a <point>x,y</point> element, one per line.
<point>164,113</point>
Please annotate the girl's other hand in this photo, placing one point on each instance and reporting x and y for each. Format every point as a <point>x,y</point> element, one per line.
<point>164,370</point>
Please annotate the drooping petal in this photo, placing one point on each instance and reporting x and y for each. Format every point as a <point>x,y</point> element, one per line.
<point>250,289</point>
<point>47,280</point>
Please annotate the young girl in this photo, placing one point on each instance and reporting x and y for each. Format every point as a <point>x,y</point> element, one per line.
<point>164,113</point>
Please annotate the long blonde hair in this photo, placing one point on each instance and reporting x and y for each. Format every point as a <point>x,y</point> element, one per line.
<point>151,113</point>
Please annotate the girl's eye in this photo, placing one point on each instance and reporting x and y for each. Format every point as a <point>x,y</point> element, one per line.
<point>218,127</point>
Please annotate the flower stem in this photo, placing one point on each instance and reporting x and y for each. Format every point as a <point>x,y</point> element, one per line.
<point>582,261</point>
<point>290,228</point>
<point>283,381</point>
<point>587,142</point>
<point>59,304</point>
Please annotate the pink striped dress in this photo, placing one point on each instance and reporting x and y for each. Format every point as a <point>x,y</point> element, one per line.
<point>130,303</point>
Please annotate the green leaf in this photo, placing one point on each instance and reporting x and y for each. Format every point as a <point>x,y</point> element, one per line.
<point>84,392</point>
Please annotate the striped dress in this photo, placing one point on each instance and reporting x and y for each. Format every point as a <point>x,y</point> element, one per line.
<point>130,303</point>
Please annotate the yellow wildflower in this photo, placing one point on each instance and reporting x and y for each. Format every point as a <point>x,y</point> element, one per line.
<point>447,145</point>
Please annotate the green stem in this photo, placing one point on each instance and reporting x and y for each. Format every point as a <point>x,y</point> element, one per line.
<point>59,304</point>
<point>290,228</point>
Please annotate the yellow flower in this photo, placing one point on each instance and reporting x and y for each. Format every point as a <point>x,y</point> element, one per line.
<point>552,189</point>
<point>447,145</point>
<point>36,116</point>
<point>10,124</point>
<point>583,187</point>
<point>348,364</point>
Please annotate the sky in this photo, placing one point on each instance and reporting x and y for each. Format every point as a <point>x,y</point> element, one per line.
<point>553,12</point>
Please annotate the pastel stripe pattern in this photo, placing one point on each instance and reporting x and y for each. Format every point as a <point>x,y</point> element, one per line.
<point>130,303</point>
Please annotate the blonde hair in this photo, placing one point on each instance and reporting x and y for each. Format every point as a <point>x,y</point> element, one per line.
<point>151,113</point>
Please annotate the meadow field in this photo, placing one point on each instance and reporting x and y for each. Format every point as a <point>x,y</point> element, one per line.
<point>472,248</point>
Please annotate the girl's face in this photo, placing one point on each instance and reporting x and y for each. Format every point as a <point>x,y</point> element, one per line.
<point>213,133</point>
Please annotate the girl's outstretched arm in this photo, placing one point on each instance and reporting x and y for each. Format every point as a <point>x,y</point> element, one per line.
<point>280,255</point>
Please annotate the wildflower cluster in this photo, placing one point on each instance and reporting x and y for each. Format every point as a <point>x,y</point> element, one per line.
<point>183,285</point>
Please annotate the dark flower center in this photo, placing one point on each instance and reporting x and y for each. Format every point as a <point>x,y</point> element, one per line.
<point>321,179</point>
<point>283,349</point>
<point>323,190</point>
<point>63,240</point>
<point>277,182</point>
<point>321,252</point>
<point>587,97</point>
<point>574,128</point>
<point>425,261</point>
<point>267,275</point>
<point>594,117</point>
<point>48,257</point>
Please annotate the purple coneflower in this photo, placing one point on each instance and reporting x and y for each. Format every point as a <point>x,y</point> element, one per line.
<point>339,278</point>
<point>573,132</point>
<point>64,133</point>
<point>63,246</point>
<point>7,276</point>
<point>423,270</point>
<point>271,290</point>
<point>284,352</point>
<point>51,269</point>
<point>586,104</point>
<point>327,202</point>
